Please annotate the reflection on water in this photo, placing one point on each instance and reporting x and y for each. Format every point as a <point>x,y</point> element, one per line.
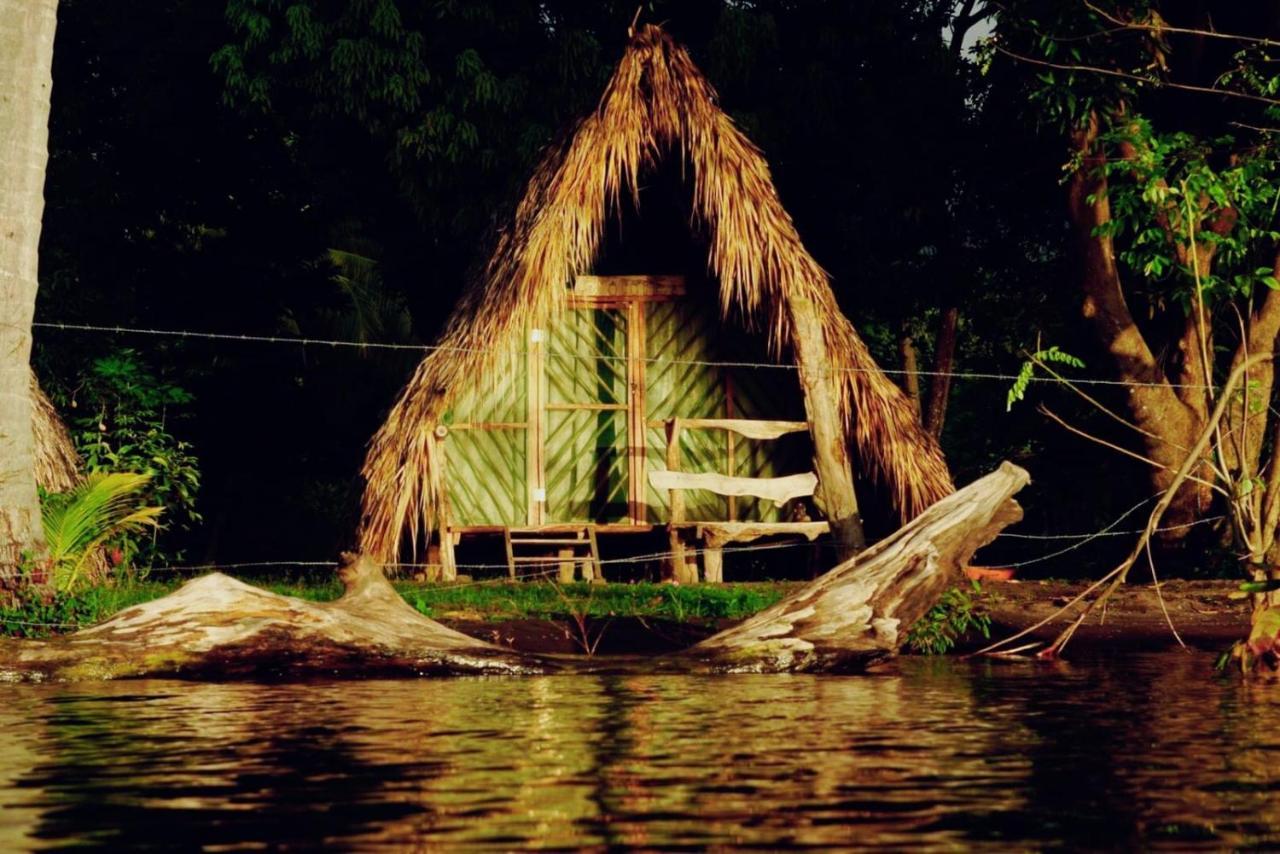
<point>1145,752</point>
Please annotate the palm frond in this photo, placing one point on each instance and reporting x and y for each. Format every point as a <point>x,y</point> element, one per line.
<point>78,522</point>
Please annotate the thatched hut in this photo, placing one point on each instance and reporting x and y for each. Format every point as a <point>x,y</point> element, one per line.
<point>57,463</point>
<point>651,307</point>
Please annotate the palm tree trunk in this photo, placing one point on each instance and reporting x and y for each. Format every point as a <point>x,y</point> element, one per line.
<point>26,80</point>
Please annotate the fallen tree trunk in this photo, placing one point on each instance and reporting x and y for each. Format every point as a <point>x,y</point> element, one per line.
<point>859,612</point>
<point>218,628</point>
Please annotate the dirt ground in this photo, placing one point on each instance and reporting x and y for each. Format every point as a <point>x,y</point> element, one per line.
<point>1201,612</point>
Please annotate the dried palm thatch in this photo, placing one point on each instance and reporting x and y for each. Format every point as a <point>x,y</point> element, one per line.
<point>57,463</point>
<point>657,105</point>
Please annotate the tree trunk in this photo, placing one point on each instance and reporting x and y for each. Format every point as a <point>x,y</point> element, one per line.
<point>831,458</point>
<point>1167,425</point>
<point>859,612</point>
<point>910,368</point>
<point>26,80</point>
<point>943,364</point>
<point>1246,417</point>
<point>217,627</point>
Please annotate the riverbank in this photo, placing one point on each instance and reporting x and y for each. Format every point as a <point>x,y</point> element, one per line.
<point>1203,613</point>
<point>477,607</point>
<point>610,619</point>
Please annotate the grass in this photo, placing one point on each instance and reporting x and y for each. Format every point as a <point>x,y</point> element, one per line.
<point>32,617</point>
<point>549,601</point>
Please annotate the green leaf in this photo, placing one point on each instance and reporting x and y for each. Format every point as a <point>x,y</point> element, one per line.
<point>1260,586</point>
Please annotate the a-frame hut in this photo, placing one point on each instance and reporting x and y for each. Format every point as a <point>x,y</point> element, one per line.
<point>600,348</point>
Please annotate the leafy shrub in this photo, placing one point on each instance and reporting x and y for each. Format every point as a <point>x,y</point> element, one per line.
<point>955,615</point>
<point>120,413</point>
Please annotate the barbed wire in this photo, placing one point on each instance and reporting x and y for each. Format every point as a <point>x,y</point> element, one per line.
<point>650,557</point>
<point>1082,539</point>
<point>1106,532</point>
<point>594,357</point>
<point>1095,534</point>
<point>521,577</point>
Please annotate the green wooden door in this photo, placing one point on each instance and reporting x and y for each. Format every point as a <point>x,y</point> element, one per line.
<point>586,444</point>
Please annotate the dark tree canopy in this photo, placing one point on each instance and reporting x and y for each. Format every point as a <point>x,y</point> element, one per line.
<point>331,169</point>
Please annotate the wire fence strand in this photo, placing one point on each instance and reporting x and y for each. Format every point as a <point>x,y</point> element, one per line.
<point>594,357</point>
<point>633,560</point>
<point>1081,539</point>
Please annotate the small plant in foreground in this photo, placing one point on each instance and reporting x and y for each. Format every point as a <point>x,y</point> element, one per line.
<point>955,614</point>
<point>122,413</point>
<point>579,611</point>
<point>77,524</point>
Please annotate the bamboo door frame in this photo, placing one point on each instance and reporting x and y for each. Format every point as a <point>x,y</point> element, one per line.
<point>630,295</point>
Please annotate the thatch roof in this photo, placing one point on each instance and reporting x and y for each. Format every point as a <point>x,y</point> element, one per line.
<point>657,105</point>
<point>57,463</point>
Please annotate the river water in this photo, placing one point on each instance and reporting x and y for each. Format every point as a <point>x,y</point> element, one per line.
<point>1144,751</point>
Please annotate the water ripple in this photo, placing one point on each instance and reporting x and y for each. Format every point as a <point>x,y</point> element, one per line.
<point>1148,752</point>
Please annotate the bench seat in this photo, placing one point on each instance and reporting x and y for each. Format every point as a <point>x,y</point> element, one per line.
<point>714,536</point>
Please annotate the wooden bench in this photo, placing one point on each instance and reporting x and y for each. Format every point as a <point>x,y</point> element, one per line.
<point>714,536</point>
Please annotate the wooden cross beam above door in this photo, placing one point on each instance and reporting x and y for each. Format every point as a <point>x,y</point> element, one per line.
<point>629,287</point>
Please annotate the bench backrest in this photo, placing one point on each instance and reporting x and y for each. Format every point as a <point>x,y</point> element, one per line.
<point>776,489</point>
<point>779,490</point>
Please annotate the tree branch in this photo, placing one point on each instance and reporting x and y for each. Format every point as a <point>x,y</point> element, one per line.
<point>1162,27</point>
<point>1125,75</point>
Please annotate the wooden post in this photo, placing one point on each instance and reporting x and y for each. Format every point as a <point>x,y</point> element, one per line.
<point>712,564</point>
<point>448,565</point>
<point>535,464</point>
<point>673,464</point>
<point>731,437</point>
<point>714,541</point>
<point>831,458</point>
<point>511,557</point>
<point>434,562</point>
<point>566,564</point>
<point>679,562</point>
<point>592,570</point>
<point>448,562</point>
<point>636,420</point>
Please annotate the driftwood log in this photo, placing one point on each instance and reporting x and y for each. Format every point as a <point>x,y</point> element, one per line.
<point>216,627</point>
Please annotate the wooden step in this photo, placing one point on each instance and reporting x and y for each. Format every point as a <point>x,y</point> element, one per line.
<point>549,542</point>
<point>574,551</point>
